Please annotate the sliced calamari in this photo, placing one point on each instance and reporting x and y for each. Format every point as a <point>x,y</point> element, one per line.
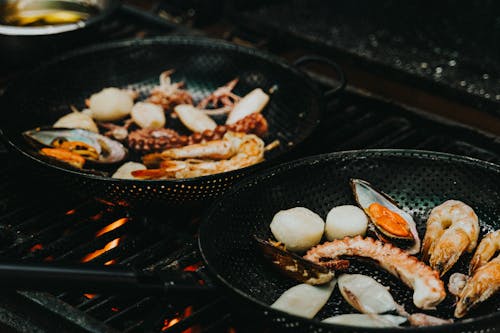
<point>365,294</point>
<point>366,320</point>
<point>304,300</point>
<point>194,119</point>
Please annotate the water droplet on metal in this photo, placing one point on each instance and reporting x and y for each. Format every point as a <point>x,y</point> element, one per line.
<point>439,70</point>
<point>452,63</point>
<point>424,65</point>
<point>486,76</point>
<point>487,95</point>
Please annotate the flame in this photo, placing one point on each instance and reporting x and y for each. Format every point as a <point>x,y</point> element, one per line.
<point>111,262</point>
<point>112,226</point>
<point>90,296</point>
<point>193,268</point>
<point>97,216</point>
<point>71,212</point>
<point>114,243</point>
<point>36,247</point>
<point>115,309</point>
<point>167,323</point>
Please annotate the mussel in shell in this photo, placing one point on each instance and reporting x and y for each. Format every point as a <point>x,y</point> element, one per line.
<point>93,147</point>
<point>294,266</point>
<point>392,224</point>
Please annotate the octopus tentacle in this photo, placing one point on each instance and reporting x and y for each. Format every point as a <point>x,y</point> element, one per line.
<point>155,140</point>
<point>428,288</point>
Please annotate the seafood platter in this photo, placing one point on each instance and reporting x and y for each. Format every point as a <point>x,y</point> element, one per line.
<point>167,119</point>
<point>334,251</point>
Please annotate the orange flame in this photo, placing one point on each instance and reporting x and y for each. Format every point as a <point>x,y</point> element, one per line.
<point>114,243</point>
<point>71,212</point>
<point>112,226</point>
<point>90,296</point>
<point>167,323</point>
<point>36,247</point>
<point>111,262</point>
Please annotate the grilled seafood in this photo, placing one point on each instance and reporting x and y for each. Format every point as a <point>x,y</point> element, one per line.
<point>110,104</point>
<point>169,94</point>
<point>91,146</point>
<point>365,294</point>
<point>194,119</point>
<point>253,102</point>
<point>249,150</point>
<point>489,245</point>
<point>392,224</point>
<point>148,140</point>
<point>428,288</point>
<point>77,119</point>
<point>452,229</point>
<point>221,96</point>
<point>366,320</point>
<point>304,300</point>
<point>485,280</point>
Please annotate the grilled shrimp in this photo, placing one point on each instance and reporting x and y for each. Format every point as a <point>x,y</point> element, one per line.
<point>452,228</point>
<point>485,280</point>
<point>428,288</point>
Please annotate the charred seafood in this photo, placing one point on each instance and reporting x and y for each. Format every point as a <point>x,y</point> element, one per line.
<point>114,118</point>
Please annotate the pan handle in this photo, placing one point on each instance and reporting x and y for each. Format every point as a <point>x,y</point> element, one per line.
<point>105,280</point>
<point>340,73</point>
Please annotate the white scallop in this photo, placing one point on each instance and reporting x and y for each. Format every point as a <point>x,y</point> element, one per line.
<point>304,300</point>
<point>298,228</point>
<point>344,221</point>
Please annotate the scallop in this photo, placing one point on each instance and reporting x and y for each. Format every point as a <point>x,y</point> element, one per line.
<point>391,222</point>
<point>365,294</point>
<point>111,104</point>
<point>345,221</point>
<point>366,320</point>
<point>297,228</point>
<point>304,300</point>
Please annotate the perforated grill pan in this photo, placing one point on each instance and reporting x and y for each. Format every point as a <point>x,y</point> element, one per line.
<point>42,96</point>
<point>418,180</point>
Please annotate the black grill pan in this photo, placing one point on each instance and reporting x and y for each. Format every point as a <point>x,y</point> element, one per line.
<point>418,180</point>
<point>42,96</point>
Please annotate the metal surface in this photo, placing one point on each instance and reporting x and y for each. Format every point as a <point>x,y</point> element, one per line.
<point>450,48</point>
<point>417,180</point>
<point>293,113</point>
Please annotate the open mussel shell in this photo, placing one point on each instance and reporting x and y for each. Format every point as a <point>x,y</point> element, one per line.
<point>110,151</point>
<point>294,266</point>
<point>391,223</point>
